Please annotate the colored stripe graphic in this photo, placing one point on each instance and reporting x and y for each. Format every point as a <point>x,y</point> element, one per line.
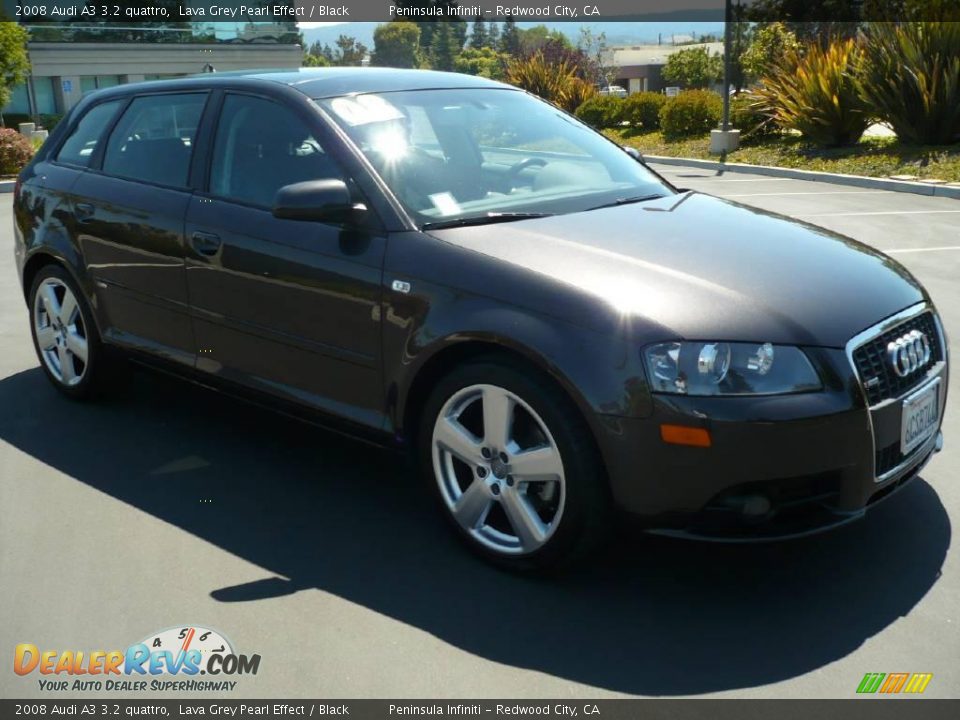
<point>894,682</point>
<point>870,682</point>
<point>918,682</point>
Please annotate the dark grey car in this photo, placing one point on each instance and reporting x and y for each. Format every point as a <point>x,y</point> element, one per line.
<point>448,264</point>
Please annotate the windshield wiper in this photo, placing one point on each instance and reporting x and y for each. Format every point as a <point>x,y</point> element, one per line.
<point>487,219</point>
<point>628,201</point>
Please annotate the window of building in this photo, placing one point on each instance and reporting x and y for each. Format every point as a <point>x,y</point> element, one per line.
<point>89,83</point>
<point>79,147</point>
<point>262,146</point>
<point>44,96</point>
<point>19,101</point>
<point>153,140</point>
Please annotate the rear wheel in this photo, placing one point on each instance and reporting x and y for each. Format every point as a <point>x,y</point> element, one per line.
<point>511,461</point>
<point>64,334</point>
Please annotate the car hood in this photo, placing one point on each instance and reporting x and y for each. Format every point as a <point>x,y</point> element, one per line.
<point>705,268</point>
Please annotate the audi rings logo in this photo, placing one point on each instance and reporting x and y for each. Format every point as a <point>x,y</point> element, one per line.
<point>908,353</point>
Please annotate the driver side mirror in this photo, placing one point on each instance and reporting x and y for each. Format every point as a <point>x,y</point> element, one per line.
<point>634,153</point>
<point>323,200</point>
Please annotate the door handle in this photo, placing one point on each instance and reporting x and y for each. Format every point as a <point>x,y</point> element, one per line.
<point>83,211</point>
<point>205,243</point>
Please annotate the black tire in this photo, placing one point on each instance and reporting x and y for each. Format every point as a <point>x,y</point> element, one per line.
<point>586,517</point>
<point>102,369</point>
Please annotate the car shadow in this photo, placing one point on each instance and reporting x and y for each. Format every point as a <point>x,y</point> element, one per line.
<point>651,615</point>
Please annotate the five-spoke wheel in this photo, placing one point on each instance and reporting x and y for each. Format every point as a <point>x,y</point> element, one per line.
<point>498,468</point>
<point>513,465</point>
<point>60,331</point>
<point>65,335</point>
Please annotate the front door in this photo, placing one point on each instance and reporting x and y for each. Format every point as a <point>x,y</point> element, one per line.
<point>288,307</point>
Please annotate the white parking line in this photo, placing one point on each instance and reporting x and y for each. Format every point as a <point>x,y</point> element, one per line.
<point>882,212</point>
<point>821,192</point>
<point>913,250</point>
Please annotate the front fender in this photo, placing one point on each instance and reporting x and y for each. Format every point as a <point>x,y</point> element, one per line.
<point>447,307</point>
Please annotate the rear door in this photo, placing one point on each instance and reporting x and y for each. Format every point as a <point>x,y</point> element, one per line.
<point>289,307</point>
<point>130,207</point>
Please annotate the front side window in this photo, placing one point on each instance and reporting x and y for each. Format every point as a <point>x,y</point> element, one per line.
<point>456,154</point>
<point>153,140</point>
<point>260,147</point>
<point>79,147</point>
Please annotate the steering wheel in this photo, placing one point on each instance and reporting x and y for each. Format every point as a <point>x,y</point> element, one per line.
<point>513,173</point>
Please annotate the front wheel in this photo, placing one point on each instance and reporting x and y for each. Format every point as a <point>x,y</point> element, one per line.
<point>513,466</point>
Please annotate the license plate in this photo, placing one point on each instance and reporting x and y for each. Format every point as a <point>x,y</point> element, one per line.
<point>920,417</point>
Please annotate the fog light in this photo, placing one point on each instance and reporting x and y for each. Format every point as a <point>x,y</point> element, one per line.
<point>684,435</point>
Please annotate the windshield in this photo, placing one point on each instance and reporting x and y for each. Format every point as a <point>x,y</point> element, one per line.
<point>455,155</point>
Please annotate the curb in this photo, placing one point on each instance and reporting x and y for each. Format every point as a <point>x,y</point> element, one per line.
<point>917,188</point>
<point>6,186</point>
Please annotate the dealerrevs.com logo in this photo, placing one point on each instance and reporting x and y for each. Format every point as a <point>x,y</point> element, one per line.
<point>169,660</point>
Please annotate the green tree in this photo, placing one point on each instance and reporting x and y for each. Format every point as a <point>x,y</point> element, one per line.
<point>693,68</point>
<point>485,62</point>
<point>445,48</point>
<point>510,37</point>
<point>769,45</point>
<point>14,64</point>
<point>493,35</point>
<point>478,36</point>
<point>396,44</point>
<point>350,51</point>
<point>311,60</point>
<point>806,17</point>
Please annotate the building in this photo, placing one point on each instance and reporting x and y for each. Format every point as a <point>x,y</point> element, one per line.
<point>63,69</point>
<point>639,67</point>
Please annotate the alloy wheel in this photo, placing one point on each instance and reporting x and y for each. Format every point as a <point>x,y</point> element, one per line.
<point>499,469</point>
<point>60,332</point>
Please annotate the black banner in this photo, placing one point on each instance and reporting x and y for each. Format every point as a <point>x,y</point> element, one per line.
<point>864,709</point>
<point>132,11</point>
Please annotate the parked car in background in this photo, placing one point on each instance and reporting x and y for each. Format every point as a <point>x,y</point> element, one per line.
<point>447,264</point>
<point>614,90</point>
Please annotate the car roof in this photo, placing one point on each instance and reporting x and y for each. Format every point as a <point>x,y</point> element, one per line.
<point>323,82</point>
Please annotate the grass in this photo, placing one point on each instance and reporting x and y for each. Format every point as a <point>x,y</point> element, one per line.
<point>871,157</point>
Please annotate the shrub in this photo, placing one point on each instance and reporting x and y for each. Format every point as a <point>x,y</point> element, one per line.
<point>642,110</point>
<point>691,113</point>
<point>49,122</point>
<point>15,151</point>
<point>602,111</point>
<point>816,94</point>
<point>910,75</point>
<point>556,82</point>
<point>578,93</point>
<point>746,115</point>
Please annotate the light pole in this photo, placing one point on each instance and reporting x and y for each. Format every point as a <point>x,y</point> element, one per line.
<point>727,59</point>
<point>726,139</point>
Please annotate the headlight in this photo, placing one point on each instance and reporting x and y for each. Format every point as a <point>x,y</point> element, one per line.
<point>719,368</point>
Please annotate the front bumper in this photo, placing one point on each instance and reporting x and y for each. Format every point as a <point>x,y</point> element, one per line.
<point>777,467</point>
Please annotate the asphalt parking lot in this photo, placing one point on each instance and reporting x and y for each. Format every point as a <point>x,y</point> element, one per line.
<point>173,506</point>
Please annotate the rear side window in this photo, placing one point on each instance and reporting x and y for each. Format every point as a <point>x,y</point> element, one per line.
<point>262,146</point>
<point>153,140</point>
<point>80,146</point>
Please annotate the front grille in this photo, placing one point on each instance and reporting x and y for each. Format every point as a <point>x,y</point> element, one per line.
<point>871,361</point>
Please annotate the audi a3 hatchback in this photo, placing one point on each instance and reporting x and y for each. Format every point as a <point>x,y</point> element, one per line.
<point>451,265</point>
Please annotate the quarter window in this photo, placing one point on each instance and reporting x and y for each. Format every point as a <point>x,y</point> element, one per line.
<point>154,138</point>
<point>262,146</point>
<point>79,147</point>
